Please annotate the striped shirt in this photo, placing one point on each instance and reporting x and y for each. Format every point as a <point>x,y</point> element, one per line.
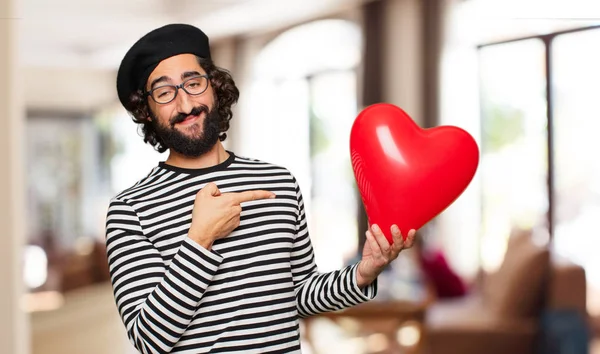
<point>247,293</point>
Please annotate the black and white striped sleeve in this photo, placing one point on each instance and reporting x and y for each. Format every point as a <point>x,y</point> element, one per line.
<point>156,302</point>
<point>322,292</point>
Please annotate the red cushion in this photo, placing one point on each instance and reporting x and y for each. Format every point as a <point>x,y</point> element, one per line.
<point>445,281</point>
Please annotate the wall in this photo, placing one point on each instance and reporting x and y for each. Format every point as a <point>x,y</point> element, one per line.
<point>13,323</point>
<point>69,89</point>
<point>402,56</point>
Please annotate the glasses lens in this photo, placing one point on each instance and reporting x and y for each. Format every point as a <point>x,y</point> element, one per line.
<point>163,94</point>
<point>196,85</point>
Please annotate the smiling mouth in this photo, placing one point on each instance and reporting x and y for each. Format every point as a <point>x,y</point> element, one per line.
<point>189,120</point>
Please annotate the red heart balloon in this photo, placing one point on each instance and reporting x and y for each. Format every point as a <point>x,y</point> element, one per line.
<point>407,175</point>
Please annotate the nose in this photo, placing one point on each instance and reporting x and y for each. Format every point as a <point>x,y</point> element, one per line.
<point>183,102</point>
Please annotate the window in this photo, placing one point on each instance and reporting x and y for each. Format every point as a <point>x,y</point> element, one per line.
<point>301,106</point>
<point>514,144</point>
<point>539,136</point>
<point>575,77</point>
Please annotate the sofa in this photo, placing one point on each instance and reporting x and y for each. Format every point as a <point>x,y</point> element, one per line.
<point>508,310</point>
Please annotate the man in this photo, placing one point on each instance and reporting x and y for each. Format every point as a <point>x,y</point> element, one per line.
<point>210,252</point>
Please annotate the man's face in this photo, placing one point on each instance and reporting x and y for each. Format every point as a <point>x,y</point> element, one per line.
<point>189,123</point>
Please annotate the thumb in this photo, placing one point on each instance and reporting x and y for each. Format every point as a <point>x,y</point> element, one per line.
<point>211,189</point>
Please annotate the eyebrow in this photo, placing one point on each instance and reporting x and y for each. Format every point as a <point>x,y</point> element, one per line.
<point>165,78</point>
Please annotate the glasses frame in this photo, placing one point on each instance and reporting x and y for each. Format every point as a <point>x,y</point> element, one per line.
<point>180,86</point>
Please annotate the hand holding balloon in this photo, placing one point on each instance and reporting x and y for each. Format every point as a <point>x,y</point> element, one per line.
<point>378,252</point>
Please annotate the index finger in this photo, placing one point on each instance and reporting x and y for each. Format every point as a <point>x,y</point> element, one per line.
<point>247,196</point>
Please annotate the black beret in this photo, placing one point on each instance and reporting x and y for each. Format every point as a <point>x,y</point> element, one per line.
<point>157,45</point>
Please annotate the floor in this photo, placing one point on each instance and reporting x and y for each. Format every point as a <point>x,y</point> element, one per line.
<point>330,338</point>
<point>72,328</point>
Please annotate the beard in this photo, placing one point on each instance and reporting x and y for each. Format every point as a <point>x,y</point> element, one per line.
<point>198,141</point>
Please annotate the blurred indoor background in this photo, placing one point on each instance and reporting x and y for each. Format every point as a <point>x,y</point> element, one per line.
<point>520,75</point>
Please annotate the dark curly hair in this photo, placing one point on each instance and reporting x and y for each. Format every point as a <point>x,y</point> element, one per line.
<point>226,95</point>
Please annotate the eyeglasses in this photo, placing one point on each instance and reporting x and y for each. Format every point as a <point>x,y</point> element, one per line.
<point>166,93</point>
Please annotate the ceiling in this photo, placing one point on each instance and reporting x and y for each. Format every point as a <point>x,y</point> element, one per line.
<point>96,33</point>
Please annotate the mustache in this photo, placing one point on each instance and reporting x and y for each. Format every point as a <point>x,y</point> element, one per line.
<point>196,111</point>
